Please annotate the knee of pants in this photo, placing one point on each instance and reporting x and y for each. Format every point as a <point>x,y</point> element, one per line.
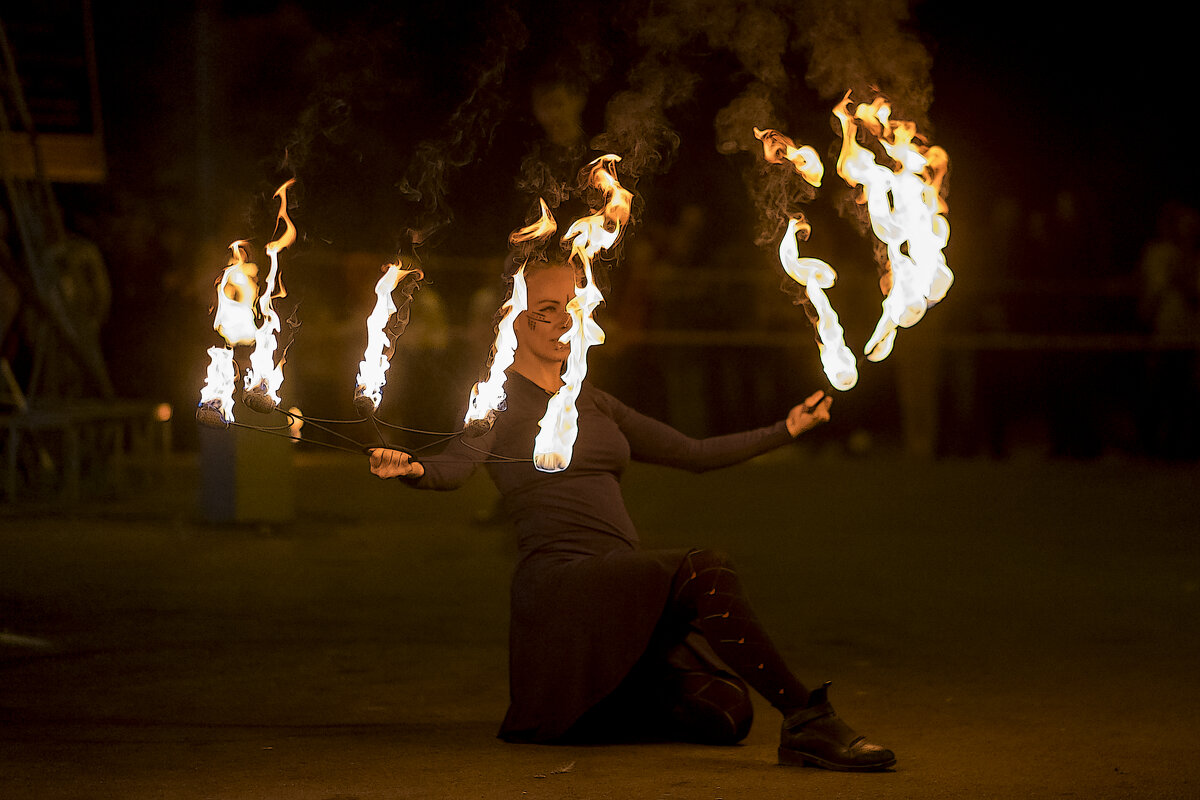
<point>710,559</point>
<point>714,709</point>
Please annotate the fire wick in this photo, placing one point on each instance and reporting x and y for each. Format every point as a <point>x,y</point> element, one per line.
<point>258,400</point>
<point>478,427</point>
<point>365,407</point>
<point>210,416</point>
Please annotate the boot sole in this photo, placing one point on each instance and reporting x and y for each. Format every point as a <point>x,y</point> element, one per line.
<point>795,758</point>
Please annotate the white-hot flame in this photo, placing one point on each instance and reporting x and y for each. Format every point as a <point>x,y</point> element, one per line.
<point>589,235</point>
<point>487,396</point>
<point>236,292</point>
<point>234,321</point>
<point>372,370</point>
<point>906,215</point>
<point>217,392</point>
<point>816,276</point>
<point>264,375</point>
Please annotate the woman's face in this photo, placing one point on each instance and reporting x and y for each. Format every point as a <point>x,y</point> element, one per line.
<point>539,328</point>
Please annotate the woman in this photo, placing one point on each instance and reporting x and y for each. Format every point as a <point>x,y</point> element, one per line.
<point>607,640</point>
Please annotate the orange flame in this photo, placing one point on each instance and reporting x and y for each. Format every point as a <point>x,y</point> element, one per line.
<point>264,375</point>
<point>617,200</point>
<point>541,228</point>
<point>487,396</point>
<point>779,149</point>
<point>237,289</point>
<point>234,321</point>
<point>813,274</point>
<point>588,236</point>
<point>906,215</point>
<point>288,237</point>
<point>816,276</point>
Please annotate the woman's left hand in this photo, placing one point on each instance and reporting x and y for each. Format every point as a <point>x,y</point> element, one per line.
<point>809,414</point>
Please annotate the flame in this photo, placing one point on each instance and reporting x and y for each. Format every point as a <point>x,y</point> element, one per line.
<point>906,213</point>
<point>811,273</point>
<point>487,396</point>
<point>237,289</point>
<point>372,370</point>
<point>541,228</point>
<point>264,375</point>
<point>816,276</point>
<point>779,149</point>
<point>618,201</point>
<point>588,236</point>
<point>288,237</point>
<point>217,392</point>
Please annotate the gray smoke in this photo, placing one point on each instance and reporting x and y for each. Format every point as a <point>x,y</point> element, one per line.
<point>636,124</point>
<point>859,45</point>
<point>830,45</point>
<point>863,45</point>
<point>469,130</point>
<point>369,116</point>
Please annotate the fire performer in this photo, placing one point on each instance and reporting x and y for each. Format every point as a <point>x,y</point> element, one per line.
<point>609,641</point>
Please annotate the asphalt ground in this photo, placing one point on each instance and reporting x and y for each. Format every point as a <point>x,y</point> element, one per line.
<point>1024,628</point>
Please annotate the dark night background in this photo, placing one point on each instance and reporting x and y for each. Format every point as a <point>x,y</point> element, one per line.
<point>395,118</point>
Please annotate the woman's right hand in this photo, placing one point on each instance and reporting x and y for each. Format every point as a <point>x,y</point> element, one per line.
<point>394,464</point>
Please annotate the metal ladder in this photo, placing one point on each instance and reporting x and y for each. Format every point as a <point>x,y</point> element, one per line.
<point>44,245</point>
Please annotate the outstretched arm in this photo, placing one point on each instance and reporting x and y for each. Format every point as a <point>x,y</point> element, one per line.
<point>658,443</point>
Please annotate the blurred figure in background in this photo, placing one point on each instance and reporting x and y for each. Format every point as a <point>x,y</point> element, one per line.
<point>1169,307</point>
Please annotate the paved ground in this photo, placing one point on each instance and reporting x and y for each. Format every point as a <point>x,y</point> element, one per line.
<point>1017,629</point>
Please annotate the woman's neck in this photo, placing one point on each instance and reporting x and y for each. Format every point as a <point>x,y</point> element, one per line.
<point>546,374</point>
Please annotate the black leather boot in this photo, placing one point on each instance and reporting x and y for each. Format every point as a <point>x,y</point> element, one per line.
<point>816,736</point>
